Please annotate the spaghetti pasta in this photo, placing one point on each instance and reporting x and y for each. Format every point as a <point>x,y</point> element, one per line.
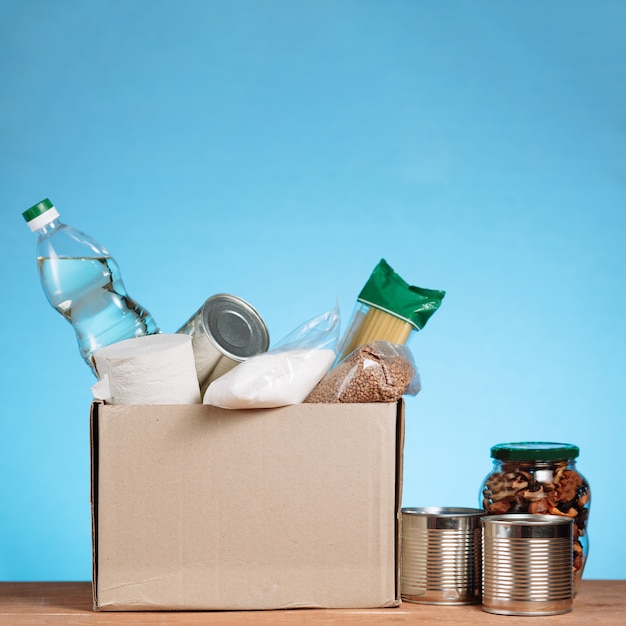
<point>373,325</point>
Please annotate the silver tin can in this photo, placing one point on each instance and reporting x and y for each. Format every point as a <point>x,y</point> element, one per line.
<point>225,331</point>
<point>527,564</point>
<point>441,555</point>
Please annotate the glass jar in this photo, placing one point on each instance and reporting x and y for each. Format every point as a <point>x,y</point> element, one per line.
<point>540,478</point>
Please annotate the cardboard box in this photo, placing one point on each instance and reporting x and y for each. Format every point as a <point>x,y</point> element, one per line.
<point>200,508</point>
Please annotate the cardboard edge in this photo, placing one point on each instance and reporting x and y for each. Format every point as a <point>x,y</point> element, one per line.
<point>399,480</point>
<point>93,442</point>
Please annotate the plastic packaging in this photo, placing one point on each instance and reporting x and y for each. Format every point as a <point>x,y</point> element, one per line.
<point>377,372</point>
<point>388,309</point>
<point>83,283</point>
<point>283,375</point>
<point>540,478</point>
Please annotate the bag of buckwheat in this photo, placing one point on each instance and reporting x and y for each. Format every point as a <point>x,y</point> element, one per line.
<point>376,372</point>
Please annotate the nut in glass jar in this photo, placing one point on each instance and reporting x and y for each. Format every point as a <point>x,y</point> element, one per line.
<point>540,478</point>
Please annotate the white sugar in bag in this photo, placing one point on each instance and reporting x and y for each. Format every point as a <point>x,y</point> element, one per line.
<point>270,379</point>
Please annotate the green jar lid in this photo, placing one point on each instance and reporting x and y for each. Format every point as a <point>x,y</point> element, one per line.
<point>534,451</point>
<point>38,209</point>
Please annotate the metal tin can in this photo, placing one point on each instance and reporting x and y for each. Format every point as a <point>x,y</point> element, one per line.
<point>441,555</point>
<point>527,564</point>
<point>225,331</point>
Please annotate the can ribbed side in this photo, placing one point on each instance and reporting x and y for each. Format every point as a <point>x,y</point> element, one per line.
<point>524,572</point>
<point>440,565</point>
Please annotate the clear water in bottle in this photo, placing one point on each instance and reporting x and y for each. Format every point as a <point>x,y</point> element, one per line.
<point>82,281</point>
<point>90,294</point>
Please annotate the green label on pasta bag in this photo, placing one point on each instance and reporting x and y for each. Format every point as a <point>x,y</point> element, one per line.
<point>387,291</point>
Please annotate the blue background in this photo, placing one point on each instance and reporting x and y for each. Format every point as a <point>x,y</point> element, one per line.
<point>277,150</point>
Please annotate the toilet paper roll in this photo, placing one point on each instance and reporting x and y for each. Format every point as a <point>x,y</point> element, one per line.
<point>153,369</point>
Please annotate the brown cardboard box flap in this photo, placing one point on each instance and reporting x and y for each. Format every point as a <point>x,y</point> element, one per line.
<point>200,508</point>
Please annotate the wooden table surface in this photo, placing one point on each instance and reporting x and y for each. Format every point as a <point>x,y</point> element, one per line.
<point>61,603</point>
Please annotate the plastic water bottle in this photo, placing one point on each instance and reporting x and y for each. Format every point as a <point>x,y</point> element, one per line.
<point>82,281</point>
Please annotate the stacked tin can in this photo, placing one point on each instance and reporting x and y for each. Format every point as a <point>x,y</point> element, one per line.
<point>441,548</point>
<point>527,564</point>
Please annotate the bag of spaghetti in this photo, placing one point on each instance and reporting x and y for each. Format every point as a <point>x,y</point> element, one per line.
<point>376,372</point>
<point>388,309</point>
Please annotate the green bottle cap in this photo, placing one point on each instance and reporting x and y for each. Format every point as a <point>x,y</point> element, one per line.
<point>534,451</point>
<point>38,209</point>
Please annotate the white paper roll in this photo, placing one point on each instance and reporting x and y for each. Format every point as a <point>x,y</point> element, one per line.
<point>153,369</point>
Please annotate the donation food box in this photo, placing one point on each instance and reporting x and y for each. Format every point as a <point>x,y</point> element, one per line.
<point>200,508</point>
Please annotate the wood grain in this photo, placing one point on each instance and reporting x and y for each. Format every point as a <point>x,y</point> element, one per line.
<point>60,603</point>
